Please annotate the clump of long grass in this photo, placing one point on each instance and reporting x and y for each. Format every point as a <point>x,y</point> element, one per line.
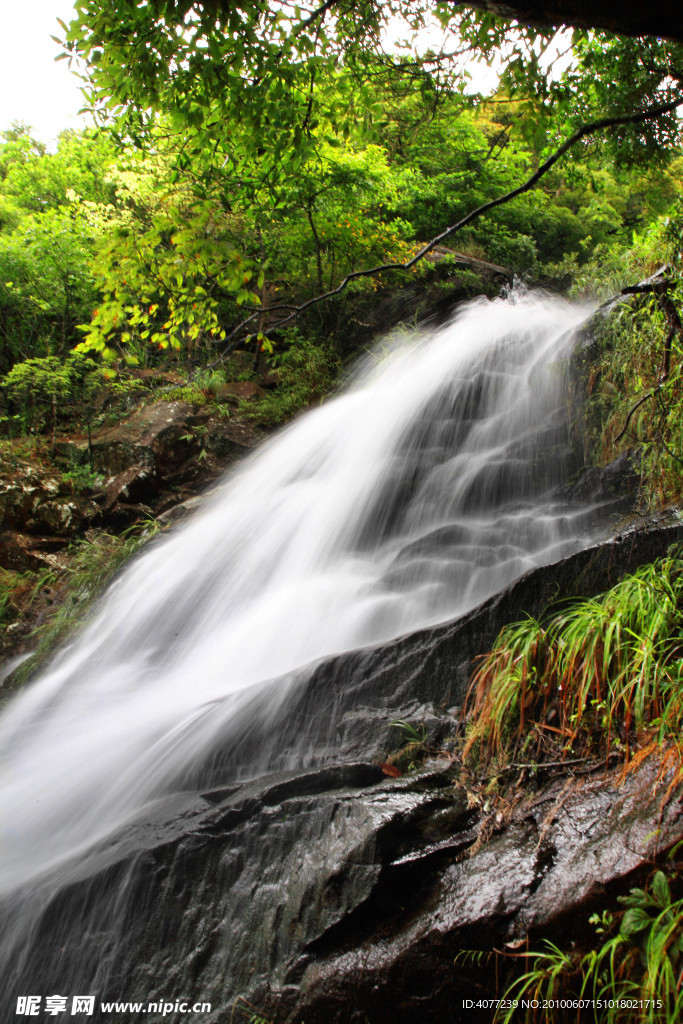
<point>594,674</point>
<point>19,591</point>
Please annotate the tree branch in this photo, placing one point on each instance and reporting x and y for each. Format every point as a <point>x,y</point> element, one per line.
<point>630,414</point>
<point>673,320</point>
<point>647,286</point>
<point>320,12</point>
<point>587,129</point>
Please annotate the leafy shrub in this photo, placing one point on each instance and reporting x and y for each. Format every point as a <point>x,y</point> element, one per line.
<point>82,478</point>
<point>633,976</point>
<point>44,388</point>
<point>210,381</point>
<point>189,393</point>
<point>306,372</point>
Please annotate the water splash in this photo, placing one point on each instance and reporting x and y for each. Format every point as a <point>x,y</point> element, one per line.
<point>433,481</point>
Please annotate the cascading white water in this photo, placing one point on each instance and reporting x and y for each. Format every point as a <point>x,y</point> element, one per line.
<point>425,487</point>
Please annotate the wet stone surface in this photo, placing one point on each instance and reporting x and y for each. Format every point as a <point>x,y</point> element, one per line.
<point>339,894</point>
<point>331,892</point>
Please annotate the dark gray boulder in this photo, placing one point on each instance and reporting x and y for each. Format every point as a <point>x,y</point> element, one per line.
<point>322,890</point>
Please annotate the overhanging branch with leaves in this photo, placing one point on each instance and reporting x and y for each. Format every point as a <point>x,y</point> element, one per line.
<point>583,132</point>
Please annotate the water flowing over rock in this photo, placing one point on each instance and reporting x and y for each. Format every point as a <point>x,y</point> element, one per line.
<point>186,794</point>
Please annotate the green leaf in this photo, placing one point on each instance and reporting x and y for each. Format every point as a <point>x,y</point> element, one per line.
<point>660,890</point>
<point>634,921</point>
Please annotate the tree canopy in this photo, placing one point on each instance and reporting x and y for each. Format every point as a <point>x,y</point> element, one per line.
<point>256,157</point>
<point>248,102</point>
<point>266,65</point>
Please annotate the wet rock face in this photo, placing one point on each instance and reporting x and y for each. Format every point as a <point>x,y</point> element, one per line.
<point>153,460</point>
<point>331,892</point>
<point>614,486</point>
<point>563,855</point>
<point>346,706</point>
<point>21,552</point>
<point>338,894</point>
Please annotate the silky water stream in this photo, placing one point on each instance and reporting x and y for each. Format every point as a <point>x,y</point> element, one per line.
<point>431,482</point>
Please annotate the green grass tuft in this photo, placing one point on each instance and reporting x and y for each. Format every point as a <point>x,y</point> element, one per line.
<point>93,563</point>
<point>598,674</point>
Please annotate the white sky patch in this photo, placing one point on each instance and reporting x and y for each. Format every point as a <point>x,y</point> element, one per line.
<point>35,90</point>
<point>483,78</point>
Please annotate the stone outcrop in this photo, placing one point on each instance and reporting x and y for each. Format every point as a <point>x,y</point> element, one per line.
<point>340,895</point>
<point>331,892</point>
<point>38,515</point>
<point>156,458</point>
<point>163,452</point>
<point>438,895</point>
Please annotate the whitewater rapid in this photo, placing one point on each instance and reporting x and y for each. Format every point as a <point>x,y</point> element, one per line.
<point>433,480</point>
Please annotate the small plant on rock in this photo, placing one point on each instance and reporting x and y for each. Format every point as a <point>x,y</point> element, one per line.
<point>635,975</point>
<point>414,750</point>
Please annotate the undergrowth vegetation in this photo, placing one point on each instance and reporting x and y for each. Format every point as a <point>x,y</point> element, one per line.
<point>634,368</point>
<point>632,973</point>
<point>591,676</point>
<point>592,680</point>
<point>413,751</point>
<point>305,371</point>
<point>19,591</point>
<point>49,604</point>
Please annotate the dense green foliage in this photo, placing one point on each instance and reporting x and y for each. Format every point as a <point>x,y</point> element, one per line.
<point>254,154</point>
<point>283,148</point>
<point>633,367</point>
<point>46,388</point>
<point>126,257</point>
<point>47,237</point>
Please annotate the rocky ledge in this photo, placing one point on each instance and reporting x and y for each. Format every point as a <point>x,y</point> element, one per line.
<point>332,892</point>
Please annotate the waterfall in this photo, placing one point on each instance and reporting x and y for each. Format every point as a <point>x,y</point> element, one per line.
<point>434,479</point>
